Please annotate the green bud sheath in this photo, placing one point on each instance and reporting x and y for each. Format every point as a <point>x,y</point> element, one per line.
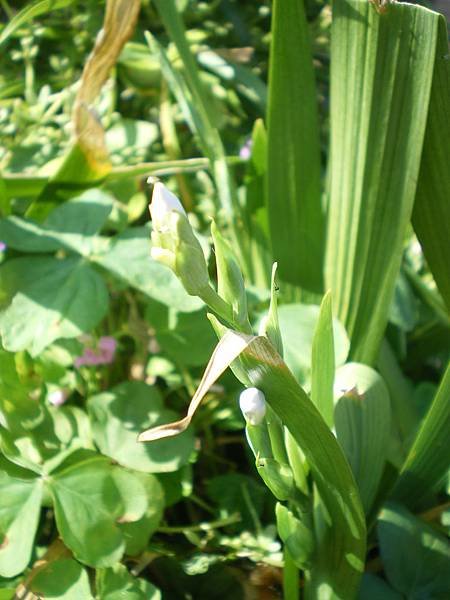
<point>230,282</point>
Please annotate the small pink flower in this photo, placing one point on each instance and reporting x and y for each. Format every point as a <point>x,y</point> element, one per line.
<point>2,246</point>
<point>246,151</point>
<point>57,397</point>
<point>101,354</point>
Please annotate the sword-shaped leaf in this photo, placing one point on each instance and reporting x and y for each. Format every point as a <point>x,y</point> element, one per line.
<point>296,218</point>
<point>381,75</point>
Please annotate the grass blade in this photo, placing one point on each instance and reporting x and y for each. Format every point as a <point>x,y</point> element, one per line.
<point>293,179</point>
<point>381,74</point>
<point>33,10</point>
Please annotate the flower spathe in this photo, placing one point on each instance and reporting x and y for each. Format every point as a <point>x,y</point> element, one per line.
<point>252,403</point>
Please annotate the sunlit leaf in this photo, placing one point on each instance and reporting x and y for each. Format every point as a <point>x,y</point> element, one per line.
<point>381,73</point>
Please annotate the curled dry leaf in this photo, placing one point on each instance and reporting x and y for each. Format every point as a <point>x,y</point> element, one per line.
<point>118,26</point>
<point>227,350</point>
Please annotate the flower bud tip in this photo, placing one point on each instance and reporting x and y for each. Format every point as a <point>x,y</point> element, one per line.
<point>252,403</point>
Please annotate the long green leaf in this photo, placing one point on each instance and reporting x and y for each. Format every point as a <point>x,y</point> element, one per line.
<point>340,558</point>
<point>429,458</point>
<point>381,74</point>
<point>431,216</point>
<point>293,179</point>
<point>33,10</point>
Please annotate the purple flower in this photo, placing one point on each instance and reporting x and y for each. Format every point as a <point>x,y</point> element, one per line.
<point>100,354</point>
<point>246,151</point>
<point>3,246</point>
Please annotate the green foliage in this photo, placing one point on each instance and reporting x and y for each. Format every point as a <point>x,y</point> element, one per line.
<point>426,572</point>
<point>296,216</point>
<point>114,483</point>
<point>376,145</point>
<point>119,415</point>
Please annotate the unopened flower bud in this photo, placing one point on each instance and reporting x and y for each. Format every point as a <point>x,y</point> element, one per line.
<point>253,405</point>
<point>163,203</point>
<point>174,243</point>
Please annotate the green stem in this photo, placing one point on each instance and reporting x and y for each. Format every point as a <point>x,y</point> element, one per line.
<point>208,526</point>
<point>291,578</point>
<point>222,309</point>
<point>276,435</point>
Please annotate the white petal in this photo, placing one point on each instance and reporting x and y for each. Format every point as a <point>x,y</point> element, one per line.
<point>163,202</point>
<point>252,403</point>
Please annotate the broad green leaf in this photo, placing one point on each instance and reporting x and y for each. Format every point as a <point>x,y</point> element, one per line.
<point>429,459</point>
<point>116,583</point>
<point>431,215</point>
<point>296,217</point>
<point>88,508</point>
<point>138,529</point>
<point>298,323</point>
<point>119,415</point>
<point>29,12</point>
<point>127,256</point>
<point>187,338</point>
<point>362,417</point>
<point>62,579</point>
<point>374,588</point>
<point>425,573</point>
<point>16,453</point>
<point>323,362</point>
<point>45,299</point>
<point>296,536</point>
<point>20,505</point>
<point>381,73</point>
<point>128,140</point>
<point>71,225</point>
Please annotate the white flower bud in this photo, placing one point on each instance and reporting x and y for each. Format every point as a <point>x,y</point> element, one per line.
<point>163,203</point>
<point>253,405</point>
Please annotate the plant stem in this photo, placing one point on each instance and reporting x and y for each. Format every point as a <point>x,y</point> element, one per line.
<point>218,305</point>
<point>291,578</point>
